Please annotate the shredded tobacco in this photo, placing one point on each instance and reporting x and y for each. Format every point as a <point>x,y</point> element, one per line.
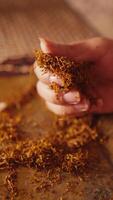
<point>102,194</point>
<point>65,146</point>
<point>48,179</point>
<point>65,149</point>
<point>8,128</point>
<point>72,74</point>
<point>10,183</point>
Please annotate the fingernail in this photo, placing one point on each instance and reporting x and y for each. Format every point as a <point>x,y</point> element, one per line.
<point>41,39</point>
<point>3,105</point>
<point>56,80</point>
<point>41,74</point>
<point>82,107</point>
<point>72,97</point>
<point>43,45</point>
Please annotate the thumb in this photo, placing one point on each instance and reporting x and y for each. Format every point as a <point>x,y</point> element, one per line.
<point>90,49</point>
<point>56,49</point>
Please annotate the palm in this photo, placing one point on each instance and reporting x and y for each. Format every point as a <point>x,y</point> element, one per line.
<point>102,75</point>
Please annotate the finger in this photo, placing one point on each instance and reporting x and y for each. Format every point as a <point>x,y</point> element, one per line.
<point>3,105</point>
<point>90,49</point>
<point>104,102</point>
<point>47,94</point>
<point>77,110</point>
<point>46,77</point>
<point>41,75</point>
<point>72,97</point>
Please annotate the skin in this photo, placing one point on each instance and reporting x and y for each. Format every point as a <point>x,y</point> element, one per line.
<point>98,50</point>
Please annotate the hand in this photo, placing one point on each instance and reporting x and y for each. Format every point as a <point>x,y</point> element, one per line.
<point>99,50</point>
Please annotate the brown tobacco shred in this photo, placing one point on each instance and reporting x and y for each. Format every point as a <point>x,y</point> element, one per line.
<point>64,150</point>
<point>10,183</point>
<point>47,179</point>
<point>64,146</point>
<point>72,74</point>
<point>80,158</point>
<point>8,128</point>
<point>102,194</point>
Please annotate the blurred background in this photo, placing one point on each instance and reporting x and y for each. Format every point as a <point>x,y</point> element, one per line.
<point>22,22</point>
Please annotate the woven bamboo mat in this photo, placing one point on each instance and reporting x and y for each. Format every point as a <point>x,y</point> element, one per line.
<point>22,22</point>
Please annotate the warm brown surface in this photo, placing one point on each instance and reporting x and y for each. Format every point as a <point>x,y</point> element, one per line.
<point>12,88</point>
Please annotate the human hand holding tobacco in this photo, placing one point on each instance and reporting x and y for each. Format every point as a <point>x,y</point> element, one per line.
<point>97,50</point>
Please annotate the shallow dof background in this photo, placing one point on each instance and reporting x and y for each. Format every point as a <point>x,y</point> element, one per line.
<point>98,13</point>
<point>22,22</point>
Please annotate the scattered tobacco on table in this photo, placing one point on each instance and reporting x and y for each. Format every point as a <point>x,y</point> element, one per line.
<point>63,150</point>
